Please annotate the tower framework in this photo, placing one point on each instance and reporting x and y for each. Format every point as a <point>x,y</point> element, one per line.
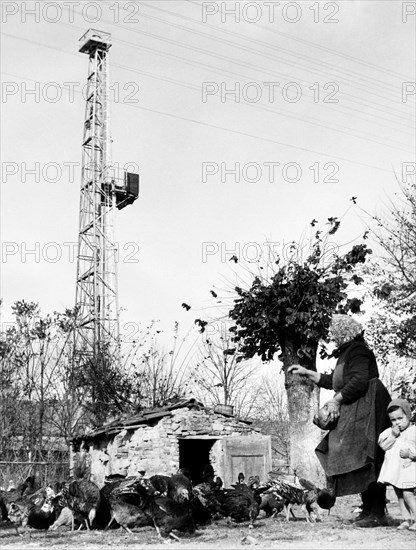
<point>102,191</point>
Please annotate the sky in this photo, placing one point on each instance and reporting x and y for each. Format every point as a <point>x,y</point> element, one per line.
<point>245,120</point>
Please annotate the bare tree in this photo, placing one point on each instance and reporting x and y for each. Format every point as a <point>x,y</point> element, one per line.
<point>159,376</point>
<point>33,369</point>
<point>219,377</point>
<point>396,233</point>
<point>392,328</point>
<point>270,414</point>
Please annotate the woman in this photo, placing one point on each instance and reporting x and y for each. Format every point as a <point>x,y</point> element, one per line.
<point>349,453</point>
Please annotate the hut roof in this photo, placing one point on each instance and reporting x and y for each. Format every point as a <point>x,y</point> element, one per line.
<point>146,416</point>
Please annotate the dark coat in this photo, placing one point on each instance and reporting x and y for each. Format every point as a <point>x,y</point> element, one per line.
<point>359,367</point>
<point>349,454</point>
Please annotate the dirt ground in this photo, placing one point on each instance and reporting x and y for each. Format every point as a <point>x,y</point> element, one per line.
<point>333,533</point>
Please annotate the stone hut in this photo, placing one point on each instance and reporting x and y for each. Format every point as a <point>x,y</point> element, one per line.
<point>182,435</point>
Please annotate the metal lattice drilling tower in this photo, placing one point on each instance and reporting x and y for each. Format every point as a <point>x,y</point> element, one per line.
<point>102,191</point>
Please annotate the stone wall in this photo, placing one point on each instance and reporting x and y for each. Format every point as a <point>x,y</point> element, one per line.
<point>155,449</point>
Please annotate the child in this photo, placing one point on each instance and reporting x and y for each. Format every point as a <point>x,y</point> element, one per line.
<point>399,466</point>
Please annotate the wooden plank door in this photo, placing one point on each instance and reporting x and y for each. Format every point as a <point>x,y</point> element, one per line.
<point>251,455</point>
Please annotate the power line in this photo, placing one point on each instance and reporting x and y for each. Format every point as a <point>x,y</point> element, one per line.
<point>375,106</point>
<point>270,47</point>
<point>218,70</point>
<point>273,111</point>
<point>261,138</point>
<point>326,49</point>
<point>237,132</point>
<point>354,99</point>
<point>234,61</point>
<point>348,109</point>
<point>228,72</point>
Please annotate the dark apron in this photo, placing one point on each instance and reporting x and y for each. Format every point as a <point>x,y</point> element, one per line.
<point>349,454</point>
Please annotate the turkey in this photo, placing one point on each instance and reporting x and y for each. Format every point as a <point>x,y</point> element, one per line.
<point>257,488</point>
<point>264,494</point>
<point>240,478</point>
<point>28,487</point>
<point>168,515</point>
<point>208,473</point>
<point>162,511</point>
<point>125,500</point>
<point>294,490</point>
<point>64,519</point>
<point>3,509</point>
<point>206,492</point>
<point>160,484</point>
<point>25,488</point>
<point>83,498</point>
<point>271,502</point>
<point>238,503</point>
<point>201,513</point>
<point>326,499</point>
<point>218,483</point>
<point>179,489</point>
<point>35,510</point>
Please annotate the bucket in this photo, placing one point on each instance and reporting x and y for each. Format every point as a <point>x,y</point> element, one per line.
<point>224,409</point>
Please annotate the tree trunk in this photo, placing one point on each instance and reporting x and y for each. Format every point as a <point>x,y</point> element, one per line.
<point>303,403</point>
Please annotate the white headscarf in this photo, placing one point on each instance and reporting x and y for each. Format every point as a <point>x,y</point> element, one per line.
<point>344,328</point>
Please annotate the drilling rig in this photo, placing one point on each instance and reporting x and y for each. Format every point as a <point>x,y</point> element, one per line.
<point>104,189</point>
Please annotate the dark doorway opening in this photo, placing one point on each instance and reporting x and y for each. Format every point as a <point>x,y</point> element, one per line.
<point>194,455</point>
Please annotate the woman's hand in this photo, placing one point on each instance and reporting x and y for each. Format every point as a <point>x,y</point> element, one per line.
<point>311,374</point>
<point>412,454</point>
<point>297,369</point>
<point>333,407</point>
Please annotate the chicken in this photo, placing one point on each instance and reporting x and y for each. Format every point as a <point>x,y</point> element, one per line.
<point>83,498</point>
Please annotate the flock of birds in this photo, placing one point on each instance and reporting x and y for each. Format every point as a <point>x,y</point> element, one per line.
<point>168,503</point>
